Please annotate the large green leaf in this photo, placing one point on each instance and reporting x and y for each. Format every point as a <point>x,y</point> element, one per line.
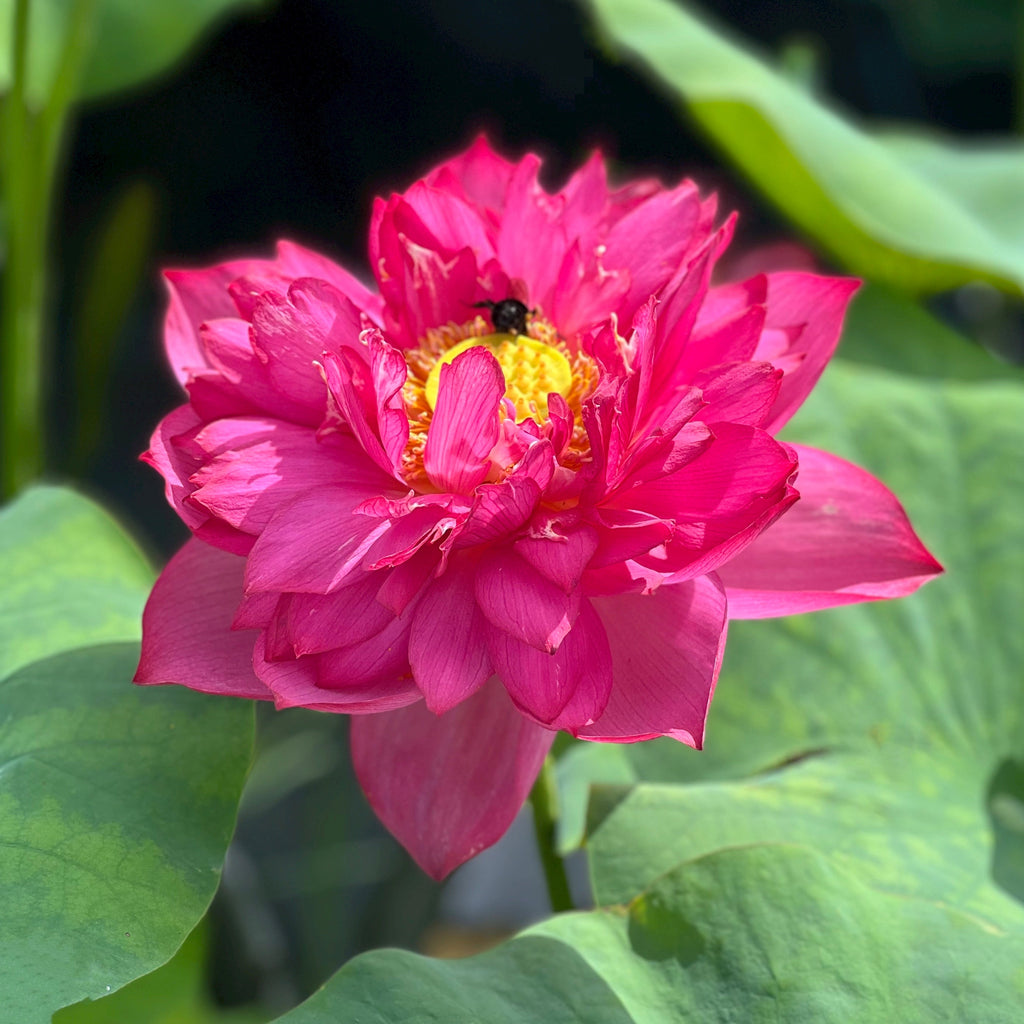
<point>949,444</point>
<point>850,844</point>
<point>129,40</point>
<point>878,329</point>
<point>71,578</point>
<point>534,979</point>
<point>734,936</point>
<point>887,738</point>
<point>116,804</point>
<point>880,208</point>
<point>177,993</point>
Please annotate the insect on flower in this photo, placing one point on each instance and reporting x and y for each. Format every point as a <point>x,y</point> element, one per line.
<point>470,536</point>
<point>507,315</point>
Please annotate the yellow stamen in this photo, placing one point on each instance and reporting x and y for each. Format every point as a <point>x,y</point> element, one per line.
<point>532,371</point>
<point>534,367</point>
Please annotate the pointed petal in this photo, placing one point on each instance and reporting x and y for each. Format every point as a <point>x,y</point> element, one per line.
<point>442,221</point>
<point>312,544</point>
<point>737,471</point>
<point>817,305</point>
<point>732,338</point>
<point>565,690</point>
<point>196,296</point>
<point>532,214</point>
<point>186,628</point>
<point>446,645</point>
<point>294,685</point>
<point>464,427</point>
<point>449,786</point>
<point>517,599</point>
<point>666,652</point>
<point>480,174</point>
<point>652,240</point>
<point>296,261</point>
<point>739,392</point>
<point>176,463</point>
<point>847,539</point>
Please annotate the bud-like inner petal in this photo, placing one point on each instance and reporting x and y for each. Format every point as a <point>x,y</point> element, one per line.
<point>532,371</point>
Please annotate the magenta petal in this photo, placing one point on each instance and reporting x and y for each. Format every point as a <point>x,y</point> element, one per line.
<point>290,342</point>
<point>294,261</point>
<point>500,509</point>
<point>480,174</point>
<point>294,685</point>
<point>560,557</point>
<point>348,379</point>
<point>449,786</point>
<point>259,465</point>
<point>516,598</point>
<point>652,240</point>
<point>186,628</point>
<point>196,296</point>
<point>446,645</point>
<point>446,222</point>
<point>847,539</point>
<point>464,427</point>
<point>531,214</point>
<point>176,463</point>
<point>565,690</point>
<point>314,543</point>
<point>321,622</point>
<point>379,658</point>
<point>817,306</point>
<point>666,650</point>
<point>739,392</point>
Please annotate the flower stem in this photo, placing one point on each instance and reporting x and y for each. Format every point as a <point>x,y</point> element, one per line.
<point>544,799</point>
<point>33,133</point>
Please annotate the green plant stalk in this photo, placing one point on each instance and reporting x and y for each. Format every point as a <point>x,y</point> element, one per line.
<point>32,145</point>
<point>21,451</point>
<point>544,800</point>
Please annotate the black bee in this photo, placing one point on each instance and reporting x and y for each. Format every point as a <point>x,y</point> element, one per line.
<point>508,315</point>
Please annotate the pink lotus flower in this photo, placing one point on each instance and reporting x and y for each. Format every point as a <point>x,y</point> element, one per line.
<point>470,522</point>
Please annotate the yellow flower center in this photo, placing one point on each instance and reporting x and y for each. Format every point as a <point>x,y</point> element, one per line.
<point>532,371</point>
<point>535,365</point>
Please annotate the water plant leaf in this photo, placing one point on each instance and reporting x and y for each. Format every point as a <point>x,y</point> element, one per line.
<point>116,803</point>
<point>917,216</point>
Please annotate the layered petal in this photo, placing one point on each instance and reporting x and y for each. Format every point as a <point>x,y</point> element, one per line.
<point>194,297</point>
<point>450,671</point>
<point>847,539</point>
<point>812,308</point>
<point>524,603</point>
<point>464,427</point>
<point>187,634</point>
<point>295,684</point>
<point>567,689</point>
<point>666,650</point>
<point>314,543</point>
<point>254,466</point>
<point>448,786</point>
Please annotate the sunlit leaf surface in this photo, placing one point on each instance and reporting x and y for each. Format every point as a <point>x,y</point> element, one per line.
<point>921,216</point>
<point>848,845</point>
<point>116,803</point>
